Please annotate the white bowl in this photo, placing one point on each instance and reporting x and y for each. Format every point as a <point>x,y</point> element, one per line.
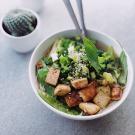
<point>103,39</point>
<point>25,43</point>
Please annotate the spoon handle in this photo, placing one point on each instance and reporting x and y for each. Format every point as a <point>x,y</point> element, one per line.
<point>72,15</point>
<point>80,9</point>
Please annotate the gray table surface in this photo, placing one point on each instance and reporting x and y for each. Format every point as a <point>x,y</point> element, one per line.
<point>20,111</point>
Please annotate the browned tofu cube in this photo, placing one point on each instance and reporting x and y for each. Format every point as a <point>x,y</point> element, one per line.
<point>89,108</point>
<point>101,99</point>
<point>52,76</point>
<point>80,83</point>
<point>116,93</point>
<point>103,82</point>
<point>62,90</point>
<point>89,92</point>
<point>105,89</point>
<point>73,99</point>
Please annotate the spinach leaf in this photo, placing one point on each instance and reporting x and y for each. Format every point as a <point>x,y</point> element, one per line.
<point>57,104</point>
<point>123,76</point>
<point>92,53</point>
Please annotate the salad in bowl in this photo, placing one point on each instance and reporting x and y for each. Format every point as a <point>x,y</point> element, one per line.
<point>81,78</point>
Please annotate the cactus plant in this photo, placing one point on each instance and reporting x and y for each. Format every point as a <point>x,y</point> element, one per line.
<point>19,22</point>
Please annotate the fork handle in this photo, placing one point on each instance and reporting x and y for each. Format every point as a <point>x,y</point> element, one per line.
<point>81,15</point>
<point>72,15</point>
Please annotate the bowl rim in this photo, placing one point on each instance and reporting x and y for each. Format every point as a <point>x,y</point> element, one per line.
<point>79,117</point>
<point>25,36</point>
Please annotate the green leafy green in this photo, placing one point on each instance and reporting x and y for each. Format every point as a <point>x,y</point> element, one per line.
<point>101,61</point>
<point>66,42</point>
<point>48,60</point>
<point>49,89</point>
<point>59,46</point>
<point>63,45</point>
<point>41,75</point>
<point>109,54</point>
<point>64,62</point>
<point>92,53</point>
<point>107,59</point>
<point>123,76</point>
<point>57,104</point>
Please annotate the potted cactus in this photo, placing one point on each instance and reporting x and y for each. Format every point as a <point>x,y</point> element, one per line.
<point>21,27</point>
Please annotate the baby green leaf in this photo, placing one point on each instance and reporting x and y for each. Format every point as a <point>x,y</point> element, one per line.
<point>92,53</point>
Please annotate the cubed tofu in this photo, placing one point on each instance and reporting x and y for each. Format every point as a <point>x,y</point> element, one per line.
<point>101,99</point>
<point>116,86</point>
<point>89,108</point>
<point>52,76</point>
<point>62,90</point>
<point>116,93</point>
<point>73,99</point>
<point>105,89</point>
<point>80,83</point>
<point>105,82</point>
<point>89,92</point>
